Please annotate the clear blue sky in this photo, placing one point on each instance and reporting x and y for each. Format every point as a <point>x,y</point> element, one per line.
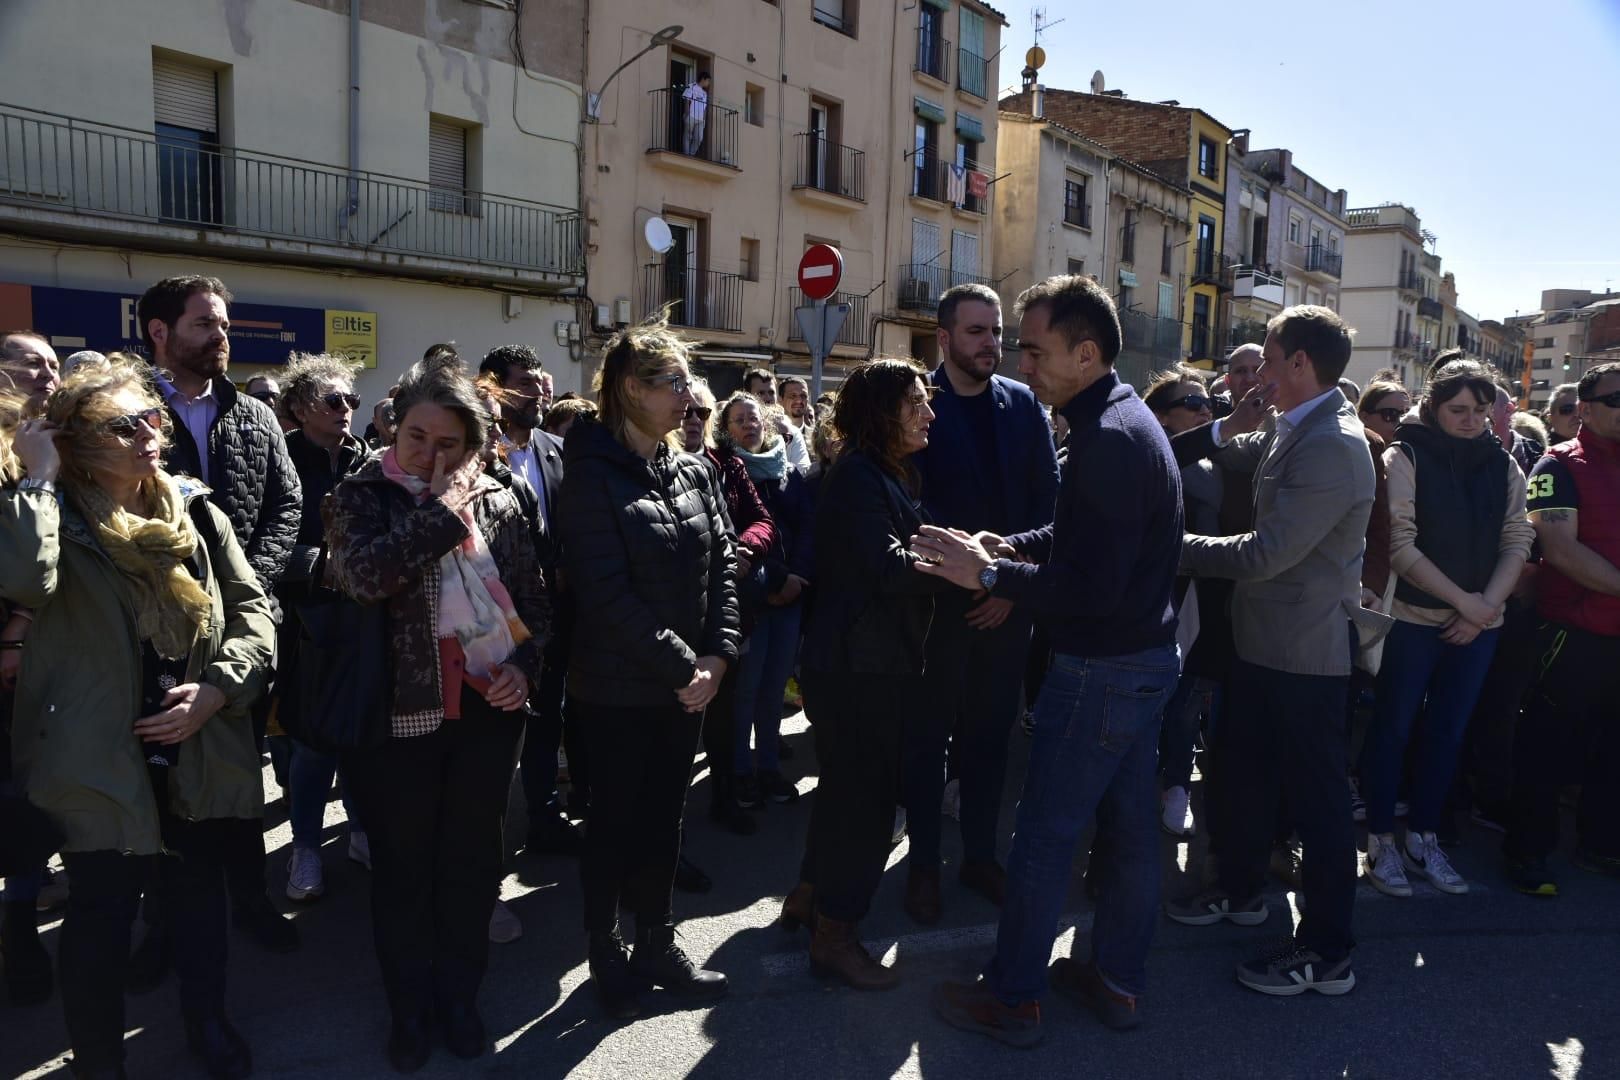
<point>1498,121</point>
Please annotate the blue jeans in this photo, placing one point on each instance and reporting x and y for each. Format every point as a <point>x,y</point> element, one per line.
<point>762,675</point>
<point>309,784</point>
<point>1095,751</point>
<point>1417,666</point>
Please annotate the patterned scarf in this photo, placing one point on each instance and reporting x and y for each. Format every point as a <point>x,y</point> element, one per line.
<point>474,607</point>
<point>171,606</point>
<point>770,465</point>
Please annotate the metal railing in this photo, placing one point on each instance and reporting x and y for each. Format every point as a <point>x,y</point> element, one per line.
<point>973,74</point>
<point>922,284</point>
<point>701,299</point>
<point>833,20</point>
<point>1430,308</point>
<point>1201,345</point>
<point>829,166</point>
<point>1410,280</point>
<point>715,141</point>
<point>1209,264</point>
<point>1319,259</point>
<point>100,170</point>
<point>933,55</point>
<point>853,331</point>
<point>934,177</point>
<point>1246,332</point>
<point>1407,339</point>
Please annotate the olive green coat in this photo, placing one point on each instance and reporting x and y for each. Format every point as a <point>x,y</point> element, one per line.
<point>79,691</point>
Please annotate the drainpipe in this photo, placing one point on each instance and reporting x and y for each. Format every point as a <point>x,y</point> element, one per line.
<point>353,206</point>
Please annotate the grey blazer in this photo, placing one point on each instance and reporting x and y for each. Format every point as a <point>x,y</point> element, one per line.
<point>1298,573</point>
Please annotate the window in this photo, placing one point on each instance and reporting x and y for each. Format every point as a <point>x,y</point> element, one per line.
<point>1125,298</point>
<point>748,259</point>
<point>1075,210</point>
<point>1208,259</point>
<point>1168,250</point>
<point>1167,300</point>
<point>754,104</point>
<point>1295,227</point>
<point>972,69</point>
<point>925,181</point>
<point>185,99</point>
<point>1200,326</point>
<point>1208,160</point>
<point>1077,267</point>
<point>835,14</point>
<point>931,47</point>
<point>964,257</point>
<point>447,166</point>
<point>965,150</point>
<point>1127,238</point>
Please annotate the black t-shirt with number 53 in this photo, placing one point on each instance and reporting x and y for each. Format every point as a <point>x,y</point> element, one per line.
<point>1551,487</point>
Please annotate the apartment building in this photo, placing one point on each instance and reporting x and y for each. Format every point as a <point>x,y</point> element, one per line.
<point>372,179</point>
<point>862,126</point>
<point>1382,286</point>
<point>1572,326</point>
<point>1187,147</point>
<point>1502,346</point>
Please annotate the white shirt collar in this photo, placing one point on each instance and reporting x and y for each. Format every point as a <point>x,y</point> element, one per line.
<point>1294,416</point>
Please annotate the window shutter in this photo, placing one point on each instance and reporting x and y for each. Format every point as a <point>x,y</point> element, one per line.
<point>184,95</point>
<point>447,165</point>
<point>964,256</point>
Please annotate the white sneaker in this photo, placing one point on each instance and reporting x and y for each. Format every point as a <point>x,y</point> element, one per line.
<point>504,925</point>
<point>1422,856</point>
<point>951,805</point>
<point>1384,868</point>
<point>899,833</point>
<point>359,848</point>
<point>1178,815</point>
<point>304,875</point>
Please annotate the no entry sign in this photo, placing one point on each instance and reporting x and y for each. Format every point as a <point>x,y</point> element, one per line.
<point>820,270</point>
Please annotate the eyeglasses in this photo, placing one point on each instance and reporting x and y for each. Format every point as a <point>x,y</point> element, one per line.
<point>269,397</point>
<point>678,384</point>
<point>1388,416</point>
<point>1611,401</point>
<point>698,411</point>
<point>1566,409</point>
<point>126,426</point>
<point>1195,402</point>
<point>334,400</point>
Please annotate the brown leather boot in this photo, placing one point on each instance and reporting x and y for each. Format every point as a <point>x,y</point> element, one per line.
<point>923,901</point>
<point>836,952</point>
<point>799,908</point>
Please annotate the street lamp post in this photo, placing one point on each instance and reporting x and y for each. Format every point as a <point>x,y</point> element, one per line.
<point>593,105</point>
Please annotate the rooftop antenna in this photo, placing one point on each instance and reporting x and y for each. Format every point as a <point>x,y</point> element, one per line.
<point>1037,18</point>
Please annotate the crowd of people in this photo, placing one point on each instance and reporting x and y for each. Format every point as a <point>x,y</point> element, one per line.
<point>1345,605</point>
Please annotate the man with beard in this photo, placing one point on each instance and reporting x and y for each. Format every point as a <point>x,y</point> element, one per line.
<point>989,466</point>
<point>234,444</point>
<point>536,456</point>
<point>28,364</point>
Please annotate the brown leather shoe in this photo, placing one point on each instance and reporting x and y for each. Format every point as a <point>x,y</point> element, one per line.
<point>987,879</point>
<point>972,1007</point>
<point>836,952</point>
<point>923,902</point>
<point>798,909</point>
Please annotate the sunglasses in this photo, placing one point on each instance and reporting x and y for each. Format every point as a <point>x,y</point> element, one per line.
<point>1388,416</point>
<point>1566,409</point>
<point>128,425</point>
<point>677,383</point>
<point>335,401</point>
<point>1611,401</point>
<point>1195,402</point>
<point>698,411</point>
<point>269,397</point>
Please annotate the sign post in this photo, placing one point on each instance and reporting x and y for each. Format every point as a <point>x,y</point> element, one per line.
<point>821,268</point>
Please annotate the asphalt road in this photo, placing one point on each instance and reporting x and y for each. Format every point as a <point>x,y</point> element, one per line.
<point>1490,984</point>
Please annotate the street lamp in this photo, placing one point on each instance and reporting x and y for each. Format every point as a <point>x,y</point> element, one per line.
<point>593,107</point>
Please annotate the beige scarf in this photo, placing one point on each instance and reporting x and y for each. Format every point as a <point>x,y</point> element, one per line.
<point>171,606</point>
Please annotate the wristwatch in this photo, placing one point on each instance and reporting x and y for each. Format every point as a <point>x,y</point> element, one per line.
<point>987,578</point>
<point>31,483</point>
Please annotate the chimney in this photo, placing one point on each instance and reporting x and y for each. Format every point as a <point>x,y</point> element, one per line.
<point>1240,142</point>
<point>1040,101</point>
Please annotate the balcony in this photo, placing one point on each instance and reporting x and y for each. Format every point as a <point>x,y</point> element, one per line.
<point>854,330</point>
<point>922,284</point>
<point>829,173</point>
<point>1210,267</point>
<point>1159,338</point>
<point>1321,260</point>
<point>699,299</point>
<point>973,74</point>
<point>1201,347</point>
<point>1429,308</point>
<point>1385,217</point>
<point>712,153</point>
<point>77,179</point>
<point>1253,283</point>
<point>936,179</point>
<point>833,19</point>
<point>933,57</point>
<point>1409,281</point>
<point>1407,341</point>
<point>1246,332</point>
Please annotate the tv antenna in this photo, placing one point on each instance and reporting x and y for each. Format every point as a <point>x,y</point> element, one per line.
<point>1037,18</point>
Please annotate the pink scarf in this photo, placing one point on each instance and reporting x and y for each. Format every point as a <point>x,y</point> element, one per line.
<point>474,607</point>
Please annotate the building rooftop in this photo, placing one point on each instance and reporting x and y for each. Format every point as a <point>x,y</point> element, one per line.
<point>1094,146</point>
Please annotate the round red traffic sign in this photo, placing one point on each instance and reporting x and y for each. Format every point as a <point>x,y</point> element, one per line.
<point>820,271</point>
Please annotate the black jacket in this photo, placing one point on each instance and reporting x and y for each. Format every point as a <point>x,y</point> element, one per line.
<point>317,475</point>
<point>648,555</point>
<point>873,607</point>
<point>251,476</point>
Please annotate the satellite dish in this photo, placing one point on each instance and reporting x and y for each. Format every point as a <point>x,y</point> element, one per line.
<point>1097,83</point>
<point>1036,57</point>
<point>658,236</point>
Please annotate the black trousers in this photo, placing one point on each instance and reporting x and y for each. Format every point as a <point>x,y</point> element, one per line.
<point>643,757</point>
<point>1488,746</point>
<point>553,722</point>
<point>435,808</point>
<point>858,725</point>
<point>719,739</point>
<point>1571,716</point>
<point>1282,737</point>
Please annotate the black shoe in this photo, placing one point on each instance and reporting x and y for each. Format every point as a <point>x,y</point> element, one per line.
<point>111,1072</point>
<point>1085,984</point>
<point>723,810</point>
<point>409,1044</point>
<point>690,878</point>
<point>463,1030</point>
<point>784,750</point>
<point>28,965</point>
<point>224,1052</point>
<point>1531,877</point>
<point>749,796</point>
<point>149,963</point>
<point>552,834</point>
<point>266,927</point>
<point>774,787</point>
<point>610,971</point>
<point>660,961</point>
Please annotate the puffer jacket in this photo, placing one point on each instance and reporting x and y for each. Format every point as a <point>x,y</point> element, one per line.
<point>317,476</point>
<point>80,761</point>
<point>649,557</point>
<point>384,548</point>
<point>251,478</point>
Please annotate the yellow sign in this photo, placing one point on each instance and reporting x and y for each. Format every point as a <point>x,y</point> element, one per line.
<point>354,334</point>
